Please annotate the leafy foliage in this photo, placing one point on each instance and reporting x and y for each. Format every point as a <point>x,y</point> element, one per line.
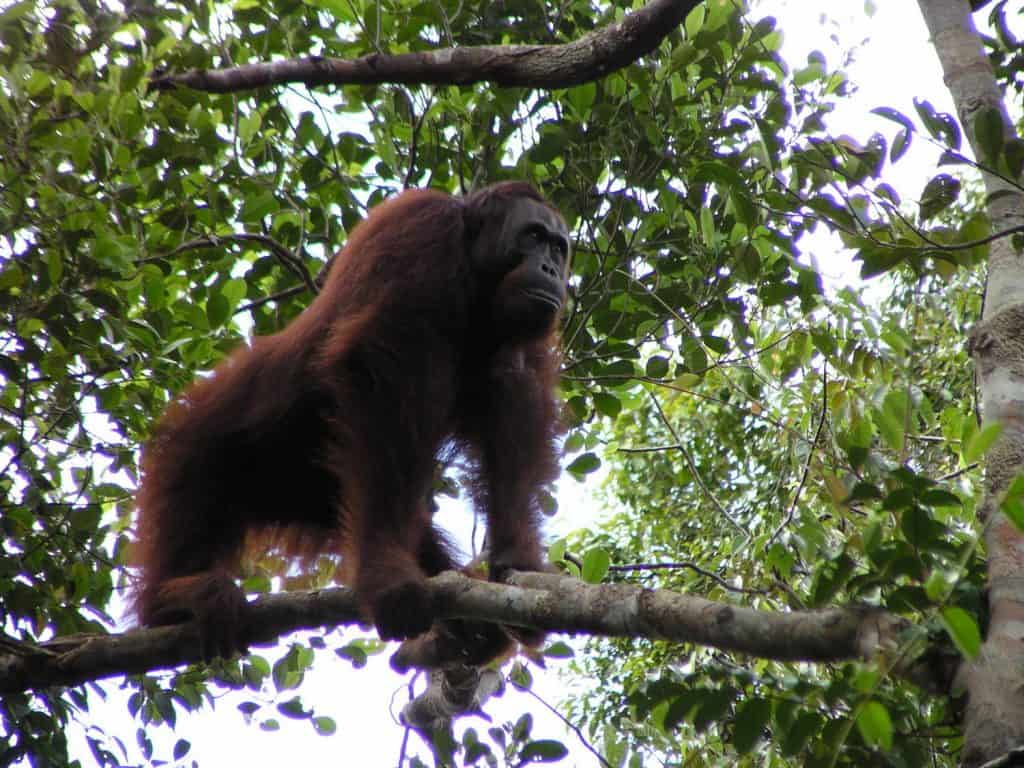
<point>803,443</point>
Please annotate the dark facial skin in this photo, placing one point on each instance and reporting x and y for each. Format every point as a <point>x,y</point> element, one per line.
<point>532,250</point>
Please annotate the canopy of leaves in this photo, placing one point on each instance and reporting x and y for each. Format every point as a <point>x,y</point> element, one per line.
<point>786,445</point>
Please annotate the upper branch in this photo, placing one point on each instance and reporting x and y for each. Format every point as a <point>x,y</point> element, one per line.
<point>539,66</point>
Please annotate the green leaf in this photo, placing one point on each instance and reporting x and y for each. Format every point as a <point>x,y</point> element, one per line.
<point>863,491</point>
<point>827,207</point>
<point>325,726</point>
<point>938,194</point>
<point>879,260</point>
<point>657,367</point>
<point>937,586</point>
<point>716,344</point>
<point>474,748</point>
<point>17,11</point>
<point>762,28</point>
<point>607,404</point>
<point>989,133</point>
<point>181,748</point>
<point>559,650</point>
<point>751,719</point>
<point>719,173</point>
<point>37,82</point>
<point>354,654</point>
<point>11,277</point>
<point>1012,504</point>
<point>584,465</point>
<point>218,310</point>
<point>556,552</point>
<point>285,675</point>
<point>713,708</point>
<point>707,227</point>
<point>293,708</point>
<point>1014,511</point>
<point>582,99</point>
<point>258,206</point>
<point>339,9</point>
<point>694,21</point>
<point>521,678</point>
<point>940,125</point>
<point>248,126</point>
<point>963,629</point>
<point>895,115</point>
<point>165,706</point>
<point>595,565</point>
<point>900,144</point>
<point>694,356</point>
<point>112,253</point>
<point>809,74</point>
<point>980,441</point>
<point>796,738</point>
<point>552,143</point>
<point>875,725</point>
<point>543,751</point>
<point>937,497</point>
<point>681,707</point>
<point>1013,150</point>
<point>918,526</point>
<point>743,205</point>
<point>1015,490</point>
<point>892,419</point>
<point>234,291</point>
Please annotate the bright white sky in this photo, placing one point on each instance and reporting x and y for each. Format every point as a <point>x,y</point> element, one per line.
<point>895,64</point>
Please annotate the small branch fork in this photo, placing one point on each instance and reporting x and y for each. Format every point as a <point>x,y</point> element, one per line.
<point>589,58</point>
<point>289,260</point>
<point>545,601</point>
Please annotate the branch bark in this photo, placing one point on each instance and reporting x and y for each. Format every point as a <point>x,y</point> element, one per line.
<point>539,66</point>
<point>546,601</point>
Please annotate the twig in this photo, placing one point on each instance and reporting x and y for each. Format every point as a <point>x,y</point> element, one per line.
<point>570,724</point>
<point>807,463</point>
<point>693,467</point>
<point>286,293</point>
<point>695,568</point>
<point>289,260</point>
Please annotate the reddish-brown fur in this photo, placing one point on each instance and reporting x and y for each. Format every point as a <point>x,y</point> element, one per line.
<point>324,437</point>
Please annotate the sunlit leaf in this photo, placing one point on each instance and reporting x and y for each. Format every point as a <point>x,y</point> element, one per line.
<point>963,629</point>
<point>875,724</point>
<point>980,441</point>
<point>595,565</point>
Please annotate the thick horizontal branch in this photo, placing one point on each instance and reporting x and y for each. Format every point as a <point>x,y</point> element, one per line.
<point>539,66</point>
<point>545,601</point>
<point>77,659</point>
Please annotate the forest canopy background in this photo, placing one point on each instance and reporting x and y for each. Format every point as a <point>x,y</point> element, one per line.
<point>766,437</point>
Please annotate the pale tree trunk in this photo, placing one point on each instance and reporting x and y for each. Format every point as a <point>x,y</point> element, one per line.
<point>995,679</point>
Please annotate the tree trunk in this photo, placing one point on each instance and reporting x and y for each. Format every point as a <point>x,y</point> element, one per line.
<point>995,679</point>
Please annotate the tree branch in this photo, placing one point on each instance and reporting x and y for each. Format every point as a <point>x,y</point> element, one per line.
<point>545,601</point>
<point>539,66</point>
<point>289,260</point>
